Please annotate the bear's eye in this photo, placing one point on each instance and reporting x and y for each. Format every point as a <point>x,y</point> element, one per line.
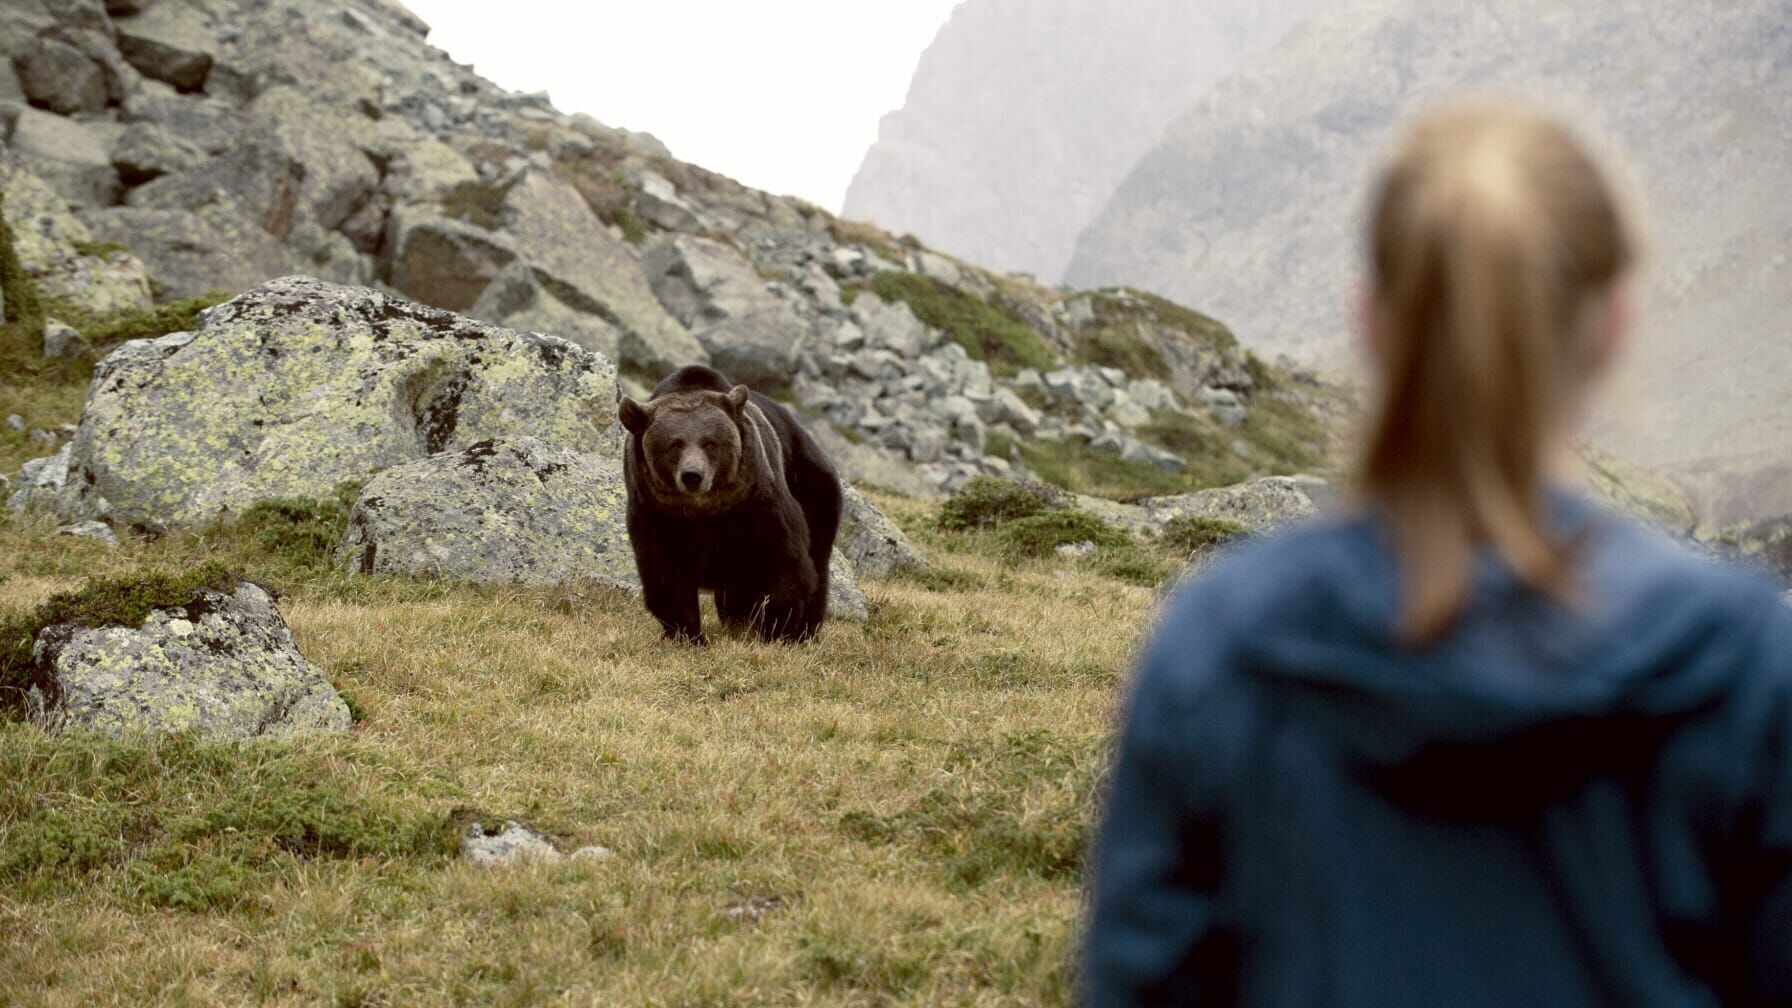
<point>709,446</point>
<point>678,444</point>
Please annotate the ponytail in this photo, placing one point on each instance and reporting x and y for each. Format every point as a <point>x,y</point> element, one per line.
<point>1491,232</point>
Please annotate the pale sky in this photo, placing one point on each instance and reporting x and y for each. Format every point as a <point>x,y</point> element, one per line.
<point>782,95</point>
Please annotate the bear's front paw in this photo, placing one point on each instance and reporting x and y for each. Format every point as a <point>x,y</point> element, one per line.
<point>697,639</point>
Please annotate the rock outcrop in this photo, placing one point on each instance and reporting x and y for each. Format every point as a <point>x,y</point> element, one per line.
<point>513,511</point>
<point>1259,505</point>
<point>520,511</point>
<point>298,385</point>
<point>224,664</point>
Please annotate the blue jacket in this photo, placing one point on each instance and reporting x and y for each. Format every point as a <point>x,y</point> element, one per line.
<point>1551,807</point>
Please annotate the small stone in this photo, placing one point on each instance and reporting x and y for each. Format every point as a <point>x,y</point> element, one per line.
<point>15,422</point>
<point>1075,550</point>
<point>593,853</point>
<point>39,436</point>
<point>506,845</point>
<point>64,341</point>
<point>94,530</point>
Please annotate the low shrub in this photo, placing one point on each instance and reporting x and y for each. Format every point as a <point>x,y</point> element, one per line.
<point>1189,534</point>
<point>999,338</point>
<point>1039,534</point>
<point>987,501</point>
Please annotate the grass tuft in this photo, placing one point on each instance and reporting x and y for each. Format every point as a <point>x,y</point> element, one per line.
<point>1038,535</point>
<point>986,501</point>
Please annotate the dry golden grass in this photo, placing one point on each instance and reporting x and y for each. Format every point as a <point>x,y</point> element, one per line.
<point>909,798</point>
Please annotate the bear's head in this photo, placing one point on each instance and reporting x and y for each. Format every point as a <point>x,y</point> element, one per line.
<point>690,442</point>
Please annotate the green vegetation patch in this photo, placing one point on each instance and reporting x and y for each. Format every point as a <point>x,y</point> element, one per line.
<point>987,501</point>
<point>1190,534</point>
<point>299,533</point>
<point>119,601</point>
<point>477,202</point>
<point>1000,338</point>
<point>1038,535</point>
<point>1079,468</point>
<point>103,332</point>
<point>184,824</point>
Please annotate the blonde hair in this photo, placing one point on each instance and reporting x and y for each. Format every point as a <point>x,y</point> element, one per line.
<point>1491,234</point>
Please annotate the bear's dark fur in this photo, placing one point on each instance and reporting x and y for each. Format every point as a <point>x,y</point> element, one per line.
<point>727,492</point>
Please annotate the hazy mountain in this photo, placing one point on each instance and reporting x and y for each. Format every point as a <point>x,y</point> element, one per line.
<point>1248,207</point>
<point>1023,115</point>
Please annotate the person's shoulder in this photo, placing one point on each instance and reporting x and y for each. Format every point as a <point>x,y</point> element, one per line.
<point>1282,574</point>
<point>1653,571</point>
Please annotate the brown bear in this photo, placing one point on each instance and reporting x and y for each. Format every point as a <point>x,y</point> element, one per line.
<point>727,492</point>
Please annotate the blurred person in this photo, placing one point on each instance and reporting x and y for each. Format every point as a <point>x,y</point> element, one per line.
<point>1476,742</point>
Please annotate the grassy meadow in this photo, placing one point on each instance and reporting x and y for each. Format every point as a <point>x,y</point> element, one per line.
<point>894,814</point>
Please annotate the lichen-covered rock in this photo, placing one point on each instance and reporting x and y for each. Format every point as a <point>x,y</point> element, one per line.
<point>70,156</point>
<point>875,545</point>
<point>298,385</point>
<point>516,511</point>
<point>224,665</point>
<point>1260,505</point>
<point>506,844</point>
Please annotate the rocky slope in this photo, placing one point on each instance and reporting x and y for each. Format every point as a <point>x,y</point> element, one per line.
<point>220,143</point>
<point>1248,205</point>
<point>1024,115</point>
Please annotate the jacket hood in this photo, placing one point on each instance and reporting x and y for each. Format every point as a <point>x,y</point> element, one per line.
<point>1526,697</point>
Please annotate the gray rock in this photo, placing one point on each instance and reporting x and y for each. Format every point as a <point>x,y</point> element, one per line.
<point>169,42</point>
<point>751,335</point>
<point>15,422</point>
<point>874,543</point>
<point>581,264</point>
<point>515,511</point>
<point>224,664</point>
<point>145,152</point>
<point>71,156</point>
<point>338,179</point>
<point>211,124</point>
<point>41,482</point>
<point>62,340</point>
<point>1260,505</point>
<point>59,77</point>
<point>890,326</point>
<point>91,530</point>
<point>508,844</point>
<point>260,178</point>
<point>194,252</point>
<point>327,384</point>
<point>49,238</point>
<point>515,300</point>
<point>443,262</point>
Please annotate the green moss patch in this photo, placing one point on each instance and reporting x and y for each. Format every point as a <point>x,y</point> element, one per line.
<point>120,601</point>
<point>297,532</point>
<point>988,333</point>
<point>478,203</point>
<point>183,824</point>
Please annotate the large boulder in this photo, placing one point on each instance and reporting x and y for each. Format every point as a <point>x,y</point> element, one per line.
<point>193,252</point>
<point>223,664</point>
<point>169,42</point>
<point>299,385</point>
<point>750,334</point>
<point>515,300</point>
<point>57,76</point>
<point>338,178</point>
<point>444,262</point>
<point>1260,505</point>
<point>261,178</point>
<point>874,543</point>
<point>73,157</point>
<point>575,258</point>
<point>514,510</point>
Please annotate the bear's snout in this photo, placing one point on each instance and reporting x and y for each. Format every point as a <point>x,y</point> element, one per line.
<point>691,479</point>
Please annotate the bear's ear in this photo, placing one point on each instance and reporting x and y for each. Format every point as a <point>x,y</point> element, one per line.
<point>737,399</point>
<point>633,415</point>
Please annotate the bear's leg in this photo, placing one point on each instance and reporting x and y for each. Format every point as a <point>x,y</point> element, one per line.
<point>738,607</point>
<point>674,604</point>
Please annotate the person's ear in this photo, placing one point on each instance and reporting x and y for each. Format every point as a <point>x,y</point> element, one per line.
<point>633,416</point>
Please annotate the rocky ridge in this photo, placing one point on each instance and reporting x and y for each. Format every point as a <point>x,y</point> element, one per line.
<point>228,142</point>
